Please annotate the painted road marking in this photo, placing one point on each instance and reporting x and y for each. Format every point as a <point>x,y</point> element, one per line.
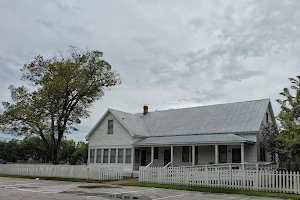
<point>136,191</point>
<point>27,190</point>
<point>171,196</point>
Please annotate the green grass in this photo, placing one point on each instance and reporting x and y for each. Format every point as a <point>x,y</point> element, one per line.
<point>216,190</point>
<point>62,179</point>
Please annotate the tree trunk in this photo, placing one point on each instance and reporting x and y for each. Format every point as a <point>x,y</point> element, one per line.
<point>55,152</point>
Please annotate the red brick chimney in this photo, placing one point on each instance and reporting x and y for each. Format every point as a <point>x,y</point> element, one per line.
<point>145,110</point>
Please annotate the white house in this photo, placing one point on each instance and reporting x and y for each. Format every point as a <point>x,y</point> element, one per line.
<point>223,133</point>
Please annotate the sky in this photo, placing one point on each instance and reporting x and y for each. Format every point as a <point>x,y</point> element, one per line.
<point>170,54</point>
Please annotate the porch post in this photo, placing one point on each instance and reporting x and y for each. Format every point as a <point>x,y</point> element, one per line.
<point>152,154</point>
<point>172,155</point>
<point>193,155</point>
<point>132,156</point>
<point>216,154</point>
<point>242,153</point>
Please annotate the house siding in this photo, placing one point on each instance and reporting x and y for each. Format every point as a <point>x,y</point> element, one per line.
<point>251,149</point>
<point>251,153</point>
<point>206,155</point>
<point>120,138</point>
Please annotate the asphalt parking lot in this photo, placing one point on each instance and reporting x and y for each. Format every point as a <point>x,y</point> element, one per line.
<point>28,189</point>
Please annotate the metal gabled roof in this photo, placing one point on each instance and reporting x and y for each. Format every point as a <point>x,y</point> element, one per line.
<point>133,123</point>
<point>239,117</point>
<point>223,118</point>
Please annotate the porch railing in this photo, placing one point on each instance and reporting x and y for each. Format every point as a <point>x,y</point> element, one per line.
<point>228,166</point>
<point>150,164</point>
<point>167,165</point>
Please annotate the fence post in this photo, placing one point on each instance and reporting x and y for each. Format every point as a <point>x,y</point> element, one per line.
<point>256,177</point>
<point>206,175</point>
<point>230,175</point>
<point>243,176</point>
<point>297,181</point>
<point>72,169</point>
<point>185,176</point>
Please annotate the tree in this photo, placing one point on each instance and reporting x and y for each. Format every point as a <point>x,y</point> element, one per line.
<point>68,148</point>
<point>289,119</point>
<point>269,140</point>
<point>33,148</point>
<point>61,93</point>
<point>80,154</point>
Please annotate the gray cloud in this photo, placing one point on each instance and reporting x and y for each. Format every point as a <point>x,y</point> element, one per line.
<point>169,54</point>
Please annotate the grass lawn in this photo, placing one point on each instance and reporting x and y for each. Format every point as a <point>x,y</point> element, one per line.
<point>216,190</point>
<point>62,179</point>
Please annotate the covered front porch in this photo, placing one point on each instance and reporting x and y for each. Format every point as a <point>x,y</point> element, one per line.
<point>192,151</point>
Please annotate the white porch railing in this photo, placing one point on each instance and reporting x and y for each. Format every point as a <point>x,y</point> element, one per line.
<point>150,164</point>
<point>249,179</point>
<point>167,165</point>
<point>63,171</point>
<point>228,166</point>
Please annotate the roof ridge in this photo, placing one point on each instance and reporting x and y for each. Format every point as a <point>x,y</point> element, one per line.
<point>111,109</point>
<point>210,105</point>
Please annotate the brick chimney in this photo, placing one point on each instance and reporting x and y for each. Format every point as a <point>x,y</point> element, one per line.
<point>145,110</point>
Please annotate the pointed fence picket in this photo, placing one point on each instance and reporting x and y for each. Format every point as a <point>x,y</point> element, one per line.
<point>249,179</point>
<point>63,171</point>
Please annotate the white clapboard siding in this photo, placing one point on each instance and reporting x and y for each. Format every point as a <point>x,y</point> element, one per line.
<point>63,171</point>
<point>248,179</point>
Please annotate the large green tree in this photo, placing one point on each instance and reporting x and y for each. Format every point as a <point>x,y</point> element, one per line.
<point>61,91</point>
<point>289,119</point>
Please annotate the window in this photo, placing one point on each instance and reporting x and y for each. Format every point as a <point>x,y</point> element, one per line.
<point>98,156</point>
<point>155,152</point>
<point>92,155</point>
<point>105,156</point>
<point>267,117</point>
<point>262,154</point>
<point>128,156</point>
<point>137,155</point>
<point>185,154</point>
<point>222,154</point>
<point>113,155</point>
<point>110,127</point>
<point>120,155</point>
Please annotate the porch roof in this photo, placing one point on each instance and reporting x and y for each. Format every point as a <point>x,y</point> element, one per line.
<point>192,139</point>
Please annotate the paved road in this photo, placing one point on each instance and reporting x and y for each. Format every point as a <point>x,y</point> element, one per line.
<point>27,189</point>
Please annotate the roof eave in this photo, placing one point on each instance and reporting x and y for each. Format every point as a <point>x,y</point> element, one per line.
<point>195,143</point>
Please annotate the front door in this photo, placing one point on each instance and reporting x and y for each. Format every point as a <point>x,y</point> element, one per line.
<point>143,158</point>
<point>236,155</point>
<point>167,156</point>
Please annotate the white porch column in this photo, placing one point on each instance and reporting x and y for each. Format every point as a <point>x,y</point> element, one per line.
<point>242,153</point>
<point>193,155</point>
<point>216,154</point>
<point>172,155</point>
<point>152,154</point>
<point>132,156</point>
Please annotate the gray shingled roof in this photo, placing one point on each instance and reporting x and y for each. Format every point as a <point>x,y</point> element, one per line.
<point>191,139</point>
<point>237,117</point>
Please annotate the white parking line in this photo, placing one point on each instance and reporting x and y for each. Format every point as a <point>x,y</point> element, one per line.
<point>136,191</point>
<point>171,196</point>
<point>27,190</point>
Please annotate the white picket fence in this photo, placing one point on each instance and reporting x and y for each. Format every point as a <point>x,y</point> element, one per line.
<point>63,171</point>
<point>249,179</point>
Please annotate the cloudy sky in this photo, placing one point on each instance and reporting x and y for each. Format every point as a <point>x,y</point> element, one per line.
<point>170,54</point>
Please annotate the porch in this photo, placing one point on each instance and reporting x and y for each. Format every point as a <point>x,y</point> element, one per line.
<point>175,151</point>
<point>175,156</point>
